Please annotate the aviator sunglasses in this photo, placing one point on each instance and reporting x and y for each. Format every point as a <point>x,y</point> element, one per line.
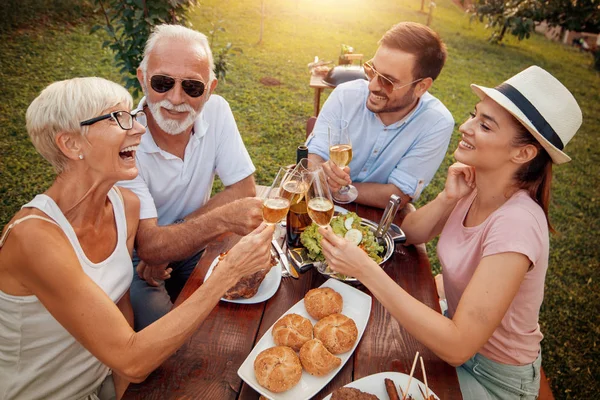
<point>164,83</point>
<point>384,81</point>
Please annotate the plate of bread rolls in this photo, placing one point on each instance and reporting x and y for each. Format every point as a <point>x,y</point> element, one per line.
<point>309,344</point>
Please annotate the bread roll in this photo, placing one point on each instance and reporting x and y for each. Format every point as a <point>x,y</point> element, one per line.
<point>337,332</point>
<point>292,330</point>
<point>322,302</point>
<point>316,359</point>
<point>277,368</point>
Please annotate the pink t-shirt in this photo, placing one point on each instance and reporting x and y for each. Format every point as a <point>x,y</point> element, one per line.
<point>519,226</point>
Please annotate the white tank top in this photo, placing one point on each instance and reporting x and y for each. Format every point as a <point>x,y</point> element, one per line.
<point>39,359</point>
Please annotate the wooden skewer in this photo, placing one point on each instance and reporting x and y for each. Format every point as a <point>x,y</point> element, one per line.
<point>423,394</point>
<point>412,371</point>
<point>401,391</point>
<point>425,379</point>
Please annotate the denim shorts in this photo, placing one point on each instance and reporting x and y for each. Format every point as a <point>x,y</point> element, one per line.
<point>481,378</point>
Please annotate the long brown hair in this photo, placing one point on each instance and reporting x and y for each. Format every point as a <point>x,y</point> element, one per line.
<point>535,176</point>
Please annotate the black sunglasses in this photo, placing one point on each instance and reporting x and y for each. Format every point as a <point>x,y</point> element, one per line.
<point>164,83</point>
<point>124,119</point>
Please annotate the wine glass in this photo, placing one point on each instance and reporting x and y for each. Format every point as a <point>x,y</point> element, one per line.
<point>293,186</point>
<point>275,202</point>
<point>318,199</point>
<point>340,153</point>
<point>298,219</point>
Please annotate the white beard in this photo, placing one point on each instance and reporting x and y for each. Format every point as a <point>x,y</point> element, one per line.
<point>170,126</point>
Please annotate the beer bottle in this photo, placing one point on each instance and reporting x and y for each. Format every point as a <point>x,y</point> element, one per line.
<point>297,218</point>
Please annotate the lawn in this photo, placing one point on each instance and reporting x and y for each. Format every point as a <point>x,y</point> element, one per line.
<point>272,119</point>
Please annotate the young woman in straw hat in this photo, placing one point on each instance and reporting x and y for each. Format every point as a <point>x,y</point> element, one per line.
<point>492,218</point>
<point>65,258</point>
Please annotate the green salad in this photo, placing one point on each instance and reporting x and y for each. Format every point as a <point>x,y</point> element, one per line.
<point>347,226</point>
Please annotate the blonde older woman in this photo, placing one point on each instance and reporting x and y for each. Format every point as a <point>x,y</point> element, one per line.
<point>65,258</point>
<point>492,218</point>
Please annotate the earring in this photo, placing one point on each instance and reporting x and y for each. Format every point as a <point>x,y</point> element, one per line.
<point>81,156</point>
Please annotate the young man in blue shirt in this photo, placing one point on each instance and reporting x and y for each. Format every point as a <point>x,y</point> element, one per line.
<point>399,132</point>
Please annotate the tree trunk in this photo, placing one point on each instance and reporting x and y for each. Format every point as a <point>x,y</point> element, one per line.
<point>502,33</point>
<point>262,20</point>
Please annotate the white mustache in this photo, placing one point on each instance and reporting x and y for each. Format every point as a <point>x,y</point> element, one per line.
<point>166,104</point>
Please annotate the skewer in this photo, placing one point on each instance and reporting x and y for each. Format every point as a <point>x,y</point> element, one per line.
<point>423,394</point>
<point>412,371</point>
<point>401,391</point>
<point>425,379</point>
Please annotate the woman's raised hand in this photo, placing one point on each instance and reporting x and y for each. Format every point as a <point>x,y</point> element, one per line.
<point>460,181</point>
<point>344,256</point>
<point>252,252</point>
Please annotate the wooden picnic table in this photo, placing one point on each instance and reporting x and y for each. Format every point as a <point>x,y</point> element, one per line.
<point>205,367</point>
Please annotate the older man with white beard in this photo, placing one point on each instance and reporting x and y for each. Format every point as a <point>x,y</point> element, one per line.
<point>192,136</point>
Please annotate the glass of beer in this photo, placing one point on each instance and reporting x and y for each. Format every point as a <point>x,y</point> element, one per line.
<point>276,201</point>
<point>298,218</point>
<point>340,153</point>
<point>318,199</point>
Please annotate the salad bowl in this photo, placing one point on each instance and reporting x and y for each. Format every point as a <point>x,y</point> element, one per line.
<point>302,259</point>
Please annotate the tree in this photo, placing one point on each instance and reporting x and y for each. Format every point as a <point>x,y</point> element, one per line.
<point>516,17</point>
<point>579,16</point>
<point>129,23</point>
<point>519,17</point>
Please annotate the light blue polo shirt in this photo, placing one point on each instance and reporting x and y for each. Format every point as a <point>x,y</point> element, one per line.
<point>406,153</point>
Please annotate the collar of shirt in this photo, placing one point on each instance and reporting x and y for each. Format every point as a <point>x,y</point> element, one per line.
<point>148,145</point>
<point>404,120</point>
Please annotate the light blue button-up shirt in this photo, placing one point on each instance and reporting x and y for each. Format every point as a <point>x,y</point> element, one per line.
<point>406,153</point>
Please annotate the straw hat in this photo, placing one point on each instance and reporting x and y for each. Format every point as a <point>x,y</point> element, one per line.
<point>542,104</point>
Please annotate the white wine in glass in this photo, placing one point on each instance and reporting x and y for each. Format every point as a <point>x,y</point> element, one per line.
<point>275,204</point>
<point>318,199</point>
<point>320,210</point>
<point>340,153</point>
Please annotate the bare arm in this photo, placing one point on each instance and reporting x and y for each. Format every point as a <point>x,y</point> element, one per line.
<point>124,305</point>
<point>481,309</point>
<point>427,222</point>
<point>369,193</point>
<point>79,304</point>
<point>378,194</point>
<point>230,210</point>
<point>244,188</point>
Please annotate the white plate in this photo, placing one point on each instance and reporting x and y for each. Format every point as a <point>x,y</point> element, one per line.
<point>375,384</point>
<point>357,306</point>
<point>266,290</point>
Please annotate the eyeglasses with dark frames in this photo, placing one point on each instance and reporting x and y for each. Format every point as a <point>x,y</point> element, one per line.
<point>123,118</point>
<point>385,82</point>
<point>164,83</point>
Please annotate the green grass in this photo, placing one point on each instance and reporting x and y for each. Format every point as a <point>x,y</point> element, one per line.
<point>272,121</point>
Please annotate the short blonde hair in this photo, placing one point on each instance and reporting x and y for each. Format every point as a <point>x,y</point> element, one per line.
<point>182,33</point>
<point>63,105</point>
